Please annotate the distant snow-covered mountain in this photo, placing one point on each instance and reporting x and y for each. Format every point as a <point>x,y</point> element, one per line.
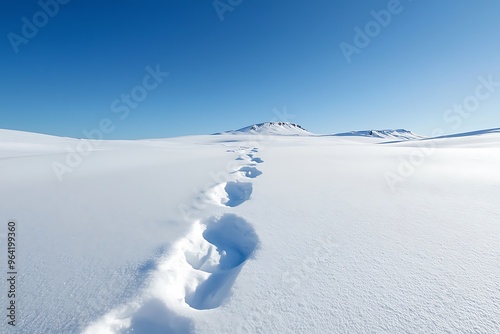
<point>292,129</point>
<point>396,134</point>
<point>272,128</point>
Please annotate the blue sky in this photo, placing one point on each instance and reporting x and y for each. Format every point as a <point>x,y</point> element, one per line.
<point>263,56</point>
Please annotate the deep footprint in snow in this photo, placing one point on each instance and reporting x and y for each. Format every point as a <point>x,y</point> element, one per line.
<point>237,193</point>
<point>232,193</point>
<point>257,160</point>
<point>234,240</point>
<point>250,172</point>
<point>199,273</point>
<point>253,158</point>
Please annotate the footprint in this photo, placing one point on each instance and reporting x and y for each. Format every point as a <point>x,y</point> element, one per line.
<point>257,160</point>
<point>235,240</point>
<point>252,157</point>
<point>237,193</point>
<point>198,272</point>
<point>250,172</point>
<point>231,194</point>
<point>255,150</point>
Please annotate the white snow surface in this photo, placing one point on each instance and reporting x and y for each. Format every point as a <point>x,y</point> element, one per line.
<point>254,234</point>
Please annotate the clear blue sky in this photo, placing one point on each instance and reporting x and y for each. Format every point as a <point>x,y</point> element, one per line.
<point>264,55</point>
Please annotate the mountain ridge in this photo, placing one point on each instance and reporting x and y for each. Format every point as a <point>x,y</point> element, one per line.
<point>271,128</point>
<point>401,134</point>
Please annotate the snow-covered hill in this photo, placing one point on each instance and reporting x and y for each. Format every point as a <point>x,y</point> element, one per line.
<point>479,139</point>
<point>272,128</point>
<point>254,234</point>
<point>397,134</point>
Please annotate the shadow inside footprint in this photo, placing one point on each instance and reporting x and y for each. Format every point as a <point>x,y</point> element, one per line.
<point>233,236</point>
<point>257,160</point>
<point>250,172</point>
<point>212,293</point>
<point>236,241</point>
<point>237,193</point>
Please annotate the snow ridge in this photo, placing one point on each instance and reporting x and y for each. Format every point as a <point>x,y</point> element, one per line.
<point>494,131</point>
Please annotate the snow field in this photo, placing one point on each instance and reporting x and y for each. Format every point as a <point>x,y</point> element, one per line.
<point>302,235</point>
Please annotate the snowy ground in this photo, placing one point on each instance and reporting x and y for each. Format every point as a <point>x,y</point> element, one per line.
<point>238,233</point>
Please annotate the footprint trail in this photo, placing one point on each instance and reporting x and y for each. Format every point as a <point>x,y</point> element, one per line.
<point>199,270</point>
